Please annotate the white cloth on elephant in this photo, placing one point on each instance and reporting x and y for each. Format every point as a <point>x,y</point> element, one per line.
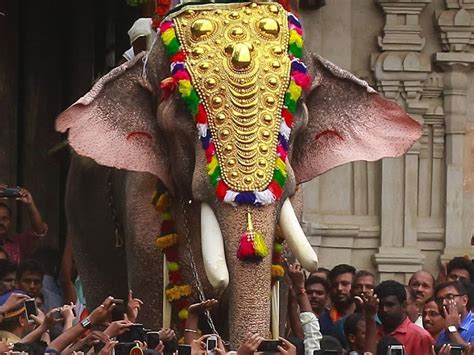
<point>142,27</point>
<point>312,334</point>
<point>129,54</point>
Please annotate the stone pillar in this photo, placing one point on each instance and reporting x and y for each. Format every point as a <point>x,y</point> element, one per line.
<point>456,26</point>
<point>400,70</point>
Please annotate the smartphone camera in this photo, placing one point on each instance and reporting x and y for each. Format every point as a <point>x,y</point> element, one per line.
<point>119,310</point>
<point>456,349</point>
<point>152,339</point>
<point>136,332</point>
<point>10,192</point>
<point>184,349</point>
<point>211,344</point>
<point>128,348</point>
<point>270,346</point>
<point>30,307</point>
<point>396,350</point>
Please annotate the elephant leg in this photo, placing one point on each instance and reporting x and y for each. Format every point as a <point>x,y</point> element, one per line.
<point>145,261</point>
<point>101,265</point>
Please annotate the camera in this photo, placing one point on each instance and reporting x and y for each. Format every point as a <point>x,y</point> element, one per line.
<point>30,307</point>
<point>269,346</point>
<point>152,339</point>
<point>396,350</point>
<point>127,349</point>
<point>10,192</point>
<point>211,344</point>
<point>136,332</point>
<point>119,310</point>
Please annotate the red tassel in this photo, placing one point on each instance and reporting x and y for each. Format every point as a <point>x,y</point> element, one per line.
<point>246,249</point>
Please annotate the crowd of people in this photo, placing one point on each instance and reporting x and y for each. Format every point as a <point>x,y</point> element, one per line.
<point>337,311</point>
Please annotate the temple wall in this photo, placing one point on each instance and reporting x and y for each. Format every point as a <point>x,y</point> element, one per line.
<point>397,216</point>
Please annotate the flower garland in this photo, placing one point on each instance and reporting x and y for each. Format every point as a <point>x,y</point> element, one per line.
<point>278,271</point>
<point>177,292</point>
<point>299,80</point>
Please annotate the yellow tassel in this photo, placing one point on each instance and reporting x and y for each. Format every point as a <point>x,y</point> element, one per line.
<point>168,36</point>
<point>280,165</point>
<point>261,248</point>
<point>185,87</point>
<point>212,165</point>
<point>295,91</point>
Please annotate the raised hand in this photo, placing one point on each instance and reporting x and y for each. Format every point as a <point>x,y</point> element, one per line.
<point>286,348</point>
<point>201,307</point>
<point>133,307</point>
<point>296,274</point>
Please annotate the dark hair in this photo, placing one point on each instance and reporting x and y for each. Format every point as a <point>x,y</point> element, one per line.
<point>30,265</point>
<point>350,324</point>
<point>6,267</point>
<point>391,288</point>
<point>323,270</point>
<point>458,285</point>
<point>469,286</point>
<point>330,343</point>
<point>317,280</point>
<point>339,270</point>
<point>298,343</point>
<point>460,262</point>
<point>410,292</point>
<point>363,273</point>
<point>384,343</point>
<point>5,206</point>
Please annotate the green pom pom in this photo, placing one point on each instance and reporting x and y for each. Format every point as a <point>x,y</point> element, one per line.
<point>192,102</point>
<point>215,177</point>
<point>295,50</point>
<point>291,104</point>
<point>278,248</point>
<point>172,266</point>
<point>279,177</point>
<point>172,47</point>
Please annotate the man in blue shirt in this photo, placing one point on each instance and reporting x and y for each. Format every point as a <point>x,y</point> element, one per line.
<point>452,300</point>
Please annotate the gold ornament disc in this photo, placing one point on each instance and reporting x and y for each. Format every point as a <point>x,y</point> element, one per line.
<point>237,56</point>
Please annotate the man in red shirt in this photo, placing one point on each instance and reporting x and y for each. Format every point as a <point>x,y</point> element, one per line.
<point>392,313</point>
<point>23,245</point>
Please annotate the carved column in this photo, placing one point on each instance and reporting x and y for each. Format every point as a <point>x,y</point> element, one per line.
<point>400,71</point>
<point>456,26</point>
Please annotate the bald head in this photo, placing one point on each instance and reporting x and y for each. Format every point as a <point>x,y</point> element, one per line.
<point>422,282</point>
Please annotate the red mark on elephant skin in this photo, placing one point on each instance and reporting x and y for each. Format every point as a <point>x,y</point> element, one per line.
<point>328,132</point>
<point>137,134</point>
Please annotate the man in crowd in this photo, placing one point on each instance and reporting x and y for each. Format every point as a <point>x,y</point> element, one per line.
<point>452,301</point>
<point>317,290</point>
<point>30,277</point>
<point>340,279</point>
<point>433,321</point>
<point>364,283</point>
<point>423,283</point>
<point>7,276</point>
<point>414,307</point>
<point>20,246</point>
<point>460,269</point>
<point>395,323</point>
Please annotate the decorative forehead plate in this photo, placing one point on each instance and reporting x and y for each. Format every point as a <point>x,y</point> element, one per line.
<point>235,57</point>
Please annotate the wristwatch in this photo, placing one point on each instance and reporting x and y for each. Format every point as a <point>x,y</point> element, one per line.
<point>86,323</point>
<point>452,329</point>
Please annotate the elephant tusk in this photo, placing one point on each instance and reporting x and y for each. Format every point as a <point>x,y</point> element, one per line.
<point>212,245</point>
<point>296,239</point>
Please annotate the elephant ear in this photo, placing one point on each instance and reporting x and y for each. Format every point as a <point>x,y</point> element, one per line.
<point>348,121</point>
<point>114,123</point>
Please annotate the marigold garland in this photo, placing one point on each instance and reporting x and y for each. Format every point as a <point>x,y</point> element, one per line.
<point>278,270</point>
<point>299,80</point>
<point>177,292</point>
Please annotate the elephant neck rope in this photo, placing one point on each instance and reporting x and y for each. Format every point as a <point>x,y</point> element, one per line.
<point>247,165</point>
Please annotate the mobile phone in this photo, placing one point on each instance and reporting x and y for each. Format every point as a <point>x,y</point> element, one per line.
<point>456,349</point>
<point>152,339</point>
<point>119,310</point>
<point>136,332</point>
<point>10,192</point>
<point>30,307</point>
<point>269,346</point>
<point>211,343</point>
<point>184,349</point>
<point>330,352</point>
<point>396,350</point>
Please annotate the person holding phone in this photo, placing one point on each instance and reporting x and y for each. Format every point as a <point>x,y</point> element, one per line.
<point>22,245</point>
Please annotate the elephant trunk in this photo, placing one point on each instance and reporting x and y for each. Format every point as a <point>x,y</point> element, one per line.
<point>250,283</point>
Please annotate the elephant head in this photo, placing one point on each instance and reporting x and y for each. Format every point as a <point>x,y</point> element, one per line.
<point>132,119</point>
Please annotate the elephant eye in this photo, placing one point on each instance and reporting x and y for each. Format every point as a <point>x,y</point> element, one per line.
<point>269,27</point>
<point>201,28</point>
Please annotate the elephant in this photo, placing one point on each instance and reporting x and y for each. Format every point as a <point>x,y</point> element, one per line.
<point>132,132</point>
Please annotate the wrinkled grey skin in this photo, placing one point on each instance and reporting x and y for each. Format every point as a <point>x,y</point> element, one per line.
<point>180,164</point>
